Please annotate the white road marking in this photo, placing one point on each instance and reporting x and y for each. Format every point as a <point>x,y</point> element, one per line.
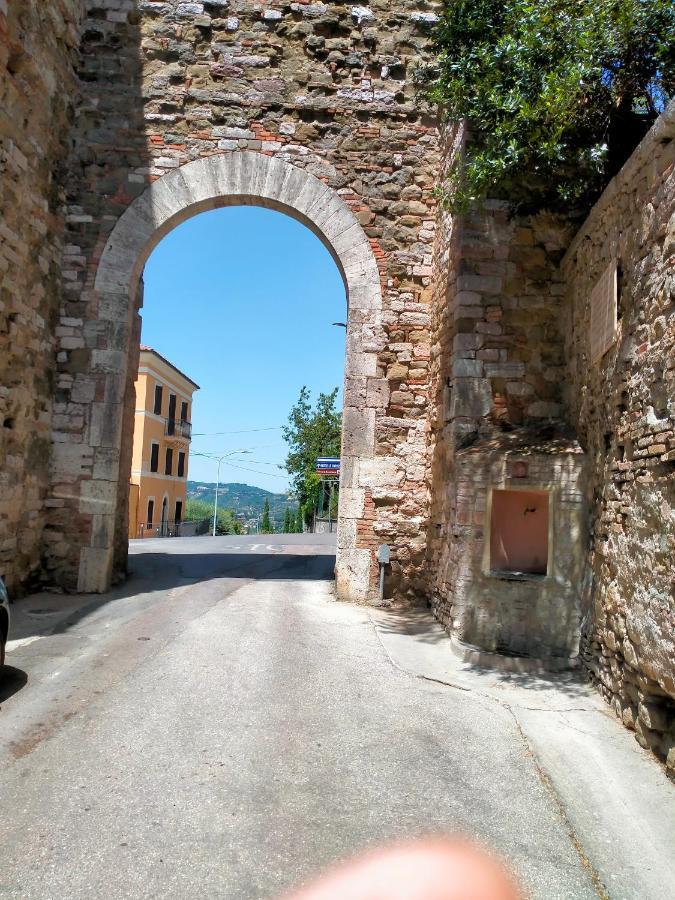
<point>23,642</point>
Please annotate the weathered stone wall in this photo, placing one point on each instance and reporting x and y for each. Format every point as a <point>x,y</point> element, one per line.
<point>507,355</point>
<point>108,128</point>
<point>440,461</point>
<point>623,408</point>
<point>38,53</point>
<point>498,370</point>
<point>327,88</point>
<point>511,362</point>
<point>523,615</point>
<point>481,339</point>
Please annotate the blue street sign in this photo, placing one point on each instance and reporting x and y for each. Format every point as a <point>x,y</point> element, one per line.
<point>328,465</point>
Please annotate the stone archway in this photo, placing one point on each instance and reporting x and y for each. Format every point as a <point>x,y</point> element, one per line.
<point>239,178</point>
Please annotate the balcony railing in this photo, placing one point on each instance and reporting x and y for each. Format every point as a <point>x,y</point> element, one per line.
<point>178,428</point>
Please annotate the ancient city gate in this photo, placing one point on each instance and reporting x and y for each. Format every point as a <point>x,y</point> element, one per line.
<point>307,108</point>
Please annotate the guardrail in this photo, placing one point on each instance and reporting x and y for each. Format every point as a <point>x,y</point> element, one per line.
<point>168,529</point>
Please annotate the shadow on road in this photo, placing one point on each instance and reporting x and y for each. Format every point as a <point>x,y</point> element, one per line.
<point>150,572</point>
<point>12,681</point>
<point>172,569</point>
<point>420,625</point>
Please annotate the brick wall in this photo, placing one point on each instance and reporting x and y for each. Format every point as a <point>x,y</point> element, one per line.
<point>326,87</point>
<point>512,365</point>
<point>623,407</point>
<point>497,378</point>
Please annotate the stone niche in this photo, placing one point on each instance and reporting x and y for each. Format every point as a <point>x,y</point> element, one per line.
<point>518,546</point>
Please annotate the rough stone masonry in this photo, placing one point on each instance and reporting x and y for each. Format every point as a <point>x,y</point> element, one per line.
<point>467,368</point>
<point>325,88</point>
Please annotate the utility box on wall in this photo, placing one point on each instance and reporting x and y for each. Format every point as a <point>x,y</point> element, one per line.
<point>518,544</point>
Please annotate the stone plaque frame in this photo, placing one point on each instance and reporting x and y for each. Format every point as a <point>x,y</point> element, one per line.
<point>604,310</point>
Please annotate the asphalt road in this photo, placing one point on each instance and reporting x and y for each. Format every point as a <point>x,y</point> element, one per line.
<point>220,726</point>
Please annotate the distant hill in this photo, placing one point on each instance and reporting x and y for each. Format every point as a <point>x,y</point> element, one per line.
<point>247,501</point>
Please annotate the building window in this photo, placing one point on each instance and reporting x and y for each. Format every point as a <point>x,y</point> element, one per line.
<point>181,464</point>
<point>519,525</point>
<point>151,512</point>
<point>183,411</point>
<point>172,413</point>
<point>168,466</point>
<point>154,457</point>
<point>178,518</point>
<point>158,400</point>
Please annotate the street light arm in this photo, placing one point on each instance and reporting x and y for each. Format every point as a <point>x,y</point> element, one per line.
<point>219,460</point>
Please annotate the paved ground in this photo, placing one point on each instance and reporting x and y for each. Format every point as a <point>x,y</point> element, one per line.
<point>222,727</point>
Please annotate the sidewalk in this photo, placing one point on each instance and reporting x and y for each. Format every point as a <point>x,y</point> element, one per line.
<point>616,799</point>
<point>37,615</point>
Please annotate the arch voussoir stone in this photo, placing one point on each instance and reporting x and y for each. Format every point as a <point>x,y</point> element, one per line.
<point>235,178</point>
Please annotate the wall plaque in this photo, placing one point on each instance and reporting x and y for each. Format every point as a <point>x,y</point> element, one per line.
<point>604,312</point>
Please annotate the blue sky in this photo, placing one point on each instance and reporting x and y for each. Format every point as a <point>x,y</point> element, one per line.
<point>242,299</point>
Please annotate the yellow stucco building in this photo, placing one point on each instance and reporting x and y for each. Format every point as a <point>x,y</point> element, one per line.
<point>162,434</point>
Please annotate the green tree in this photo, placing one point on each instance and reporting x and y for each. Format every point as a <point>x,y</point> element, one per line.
<point>228,522</point>
<point>199,512</point>
<point>556,93</point>
<point>299,520</point>
<point>265,524</point>
<point>288,524</point>
<point>312,431</point>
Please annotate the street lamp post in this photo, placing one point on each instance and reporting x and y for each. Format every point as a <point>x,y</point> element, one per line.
<point>219,460</point>
<point>215,503</point>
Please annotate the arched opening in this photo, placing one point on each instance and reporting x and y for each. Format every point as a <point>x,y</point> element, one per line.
<point>243,302</point>
<point>240,178</point>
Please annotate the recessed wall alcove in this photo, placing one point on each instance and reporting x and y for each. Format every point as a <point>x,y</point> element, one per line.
<point>519,532</point>
<point>517,545</point>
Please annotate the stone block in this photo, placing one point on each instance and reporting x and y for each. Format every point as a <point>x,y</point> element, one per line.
<point>467,368</point>
<point>471,398</point>
<point>352,503</point>
<point>544,409</point>
<point>95,570</point>
<point>98,497</point>
<point>381,471</point>
<point>358,431</point>
<point>347,534</point>
<point>352,575</point>
<point>505,370</point>
<point>377,393</point>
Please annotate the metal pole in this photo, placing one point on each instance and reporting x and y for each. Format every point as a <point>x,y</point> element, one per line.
<point>316,506</point>
<point>330,507</point>
<point>215,505</point>
<point>381,581</point>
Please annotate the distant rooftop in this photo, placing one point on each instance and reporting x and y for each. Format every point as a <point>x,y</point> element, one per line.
<point>146,349</point>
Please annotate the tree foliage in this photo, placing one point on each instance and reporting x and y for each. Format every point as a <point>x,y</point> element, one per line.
<point>265,523</point>
<point>556,93</point>
<point>312,431</point>
<point>202,513</point>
